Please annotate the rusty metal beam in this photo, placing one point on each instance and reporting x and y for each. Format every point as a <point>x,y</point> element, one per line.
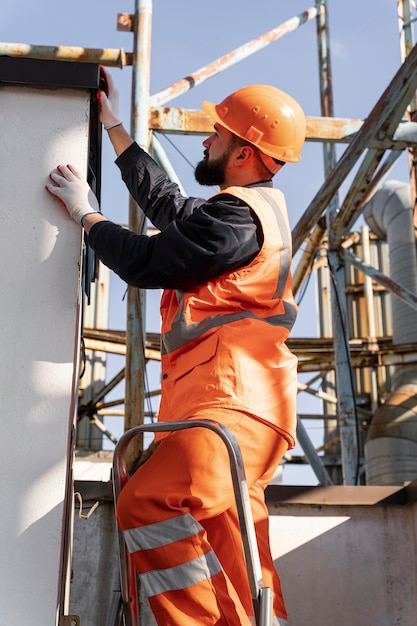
<point>398,290</point>
<point>306,261</point>
<point>103,56</point>
<point>135,314</point>
<point>226,61</point>
<point>314,354</point>
<point>387,115</point>
<point>172,120</point>
<point>396,96</point>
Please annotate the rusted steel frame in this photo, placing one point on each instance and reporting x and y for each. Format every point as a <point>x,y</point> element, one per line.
<point>308,262</point>
<point>135,323</point>
<point>313,354</point>
<point>101,406</point>
<point>89,408</point>
<point>160,156</point>
<point>354,199</point>
<point>153,340</point>
<point>226,61</point>
<point>94,419</point>
<point>376,180</point>
<point>317,393</point>
<point>398,290</point>
<point>370,317</point>
<point>325,362</point>
<point>342,130</point>
<point>403,84</point>
<point>311,455</point>
<point>398,358</point>
<point>121,413</point>
<point>104,56</point>
<point>175,120</point>
<point>118,348</point>
<point>382,172</point>
<point>391,114</point>
<point>305,263</point>
<point>194,121</point>
<point>345,421</point>
<point>349,211</point>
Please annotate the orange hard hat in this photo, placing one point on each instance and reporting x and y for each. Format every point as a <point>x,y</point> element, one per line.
<point>264,116</point>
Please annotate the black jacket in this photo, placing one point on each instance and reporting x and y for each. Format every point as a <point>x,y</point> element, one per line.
<point>199,239</point>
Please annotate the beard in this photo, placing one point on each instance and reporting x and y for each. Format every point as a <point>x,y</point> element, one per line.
<point>211,172</point>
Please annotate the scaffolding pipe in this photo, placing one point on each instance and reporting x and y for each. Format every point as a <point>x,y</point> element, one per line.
<point>404,294</point>
<point>387,108</point>
<point>312,457</point>
<point>306,261</point>
<point>370,315</point>
<point>163,161</point>
<point>135,324</point>
<point>103,56</point>
<point>346,422</point>
<point>226,61</point>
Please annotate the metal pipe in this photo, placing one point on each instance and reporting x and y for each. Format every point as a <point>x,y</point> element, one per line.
<point>370,315</point>
<point>103,56</point>
<point>312,457</point>
<point>306,260</point>
<point>135,324</point>
<point>381,174</point>
<point>388,110</point>
<point>391,446</point>
<point>345,401</point>
<point>226,61</point>
<point>163,161</point>
<point>404,294</point>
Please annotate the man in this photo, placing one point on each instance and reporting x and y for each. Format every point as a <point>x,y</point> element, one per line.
<point>227,309</point>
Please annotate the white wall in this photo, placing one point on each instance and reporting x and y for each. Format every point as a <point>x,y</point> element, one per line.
<point>39,331</point>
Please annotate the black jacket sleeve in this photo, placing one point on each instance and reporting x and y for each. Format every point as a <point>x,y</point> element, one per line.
<point>148,184</point>
<point>199,240</point>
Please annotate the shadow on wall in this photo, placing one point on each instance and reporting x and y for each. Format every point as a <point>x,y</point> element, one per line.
<point>344,565</point>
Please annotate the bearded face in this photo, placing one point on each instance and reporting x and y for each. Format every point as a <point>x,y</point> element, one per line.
<point>212,172</point>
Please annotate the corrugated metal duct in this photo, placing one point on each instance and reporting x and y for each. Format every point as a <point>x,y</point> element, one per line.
<point>391,447</point>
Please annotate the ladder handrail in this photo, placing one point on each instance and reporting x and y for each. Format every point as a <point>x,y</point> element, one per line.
<point>261,596</point>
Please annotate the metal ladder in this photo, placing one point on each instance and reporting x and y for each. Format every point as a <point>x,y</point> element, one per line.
<point>126,607</point>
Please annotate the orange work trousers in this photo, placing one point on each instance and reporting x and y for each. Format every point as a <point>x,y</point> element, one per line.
<point>180,524</point>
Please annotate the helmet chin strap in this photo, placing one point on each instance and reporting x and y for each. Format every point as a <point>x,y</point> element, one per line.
<point>269,163</point>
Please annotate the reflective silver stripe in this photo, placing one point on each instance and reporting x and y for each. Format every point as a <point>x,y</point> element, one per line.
<point>161,533</point>
<point>286,241</point>
<point>181,576</point>
<point>181,333</point>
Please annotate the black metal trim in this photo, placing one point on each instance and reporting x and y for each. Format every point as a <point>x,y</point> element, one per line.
<point>49,73</point>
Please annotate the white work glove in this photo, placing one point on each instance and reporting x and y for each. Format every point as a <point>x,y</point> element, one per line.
<point>108,98</point>
<point>73,191</point>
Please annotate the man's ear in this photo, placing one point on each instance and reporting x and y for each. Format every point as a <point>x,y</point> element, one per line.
<point>245,155</point>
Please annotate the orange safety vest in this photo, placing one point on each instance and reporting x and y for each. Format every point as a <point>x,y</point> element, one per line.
<point>222,343</point>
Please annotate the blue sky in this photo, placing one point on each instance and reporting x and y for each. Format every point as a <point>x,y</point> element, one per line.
<point>187,35</point>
